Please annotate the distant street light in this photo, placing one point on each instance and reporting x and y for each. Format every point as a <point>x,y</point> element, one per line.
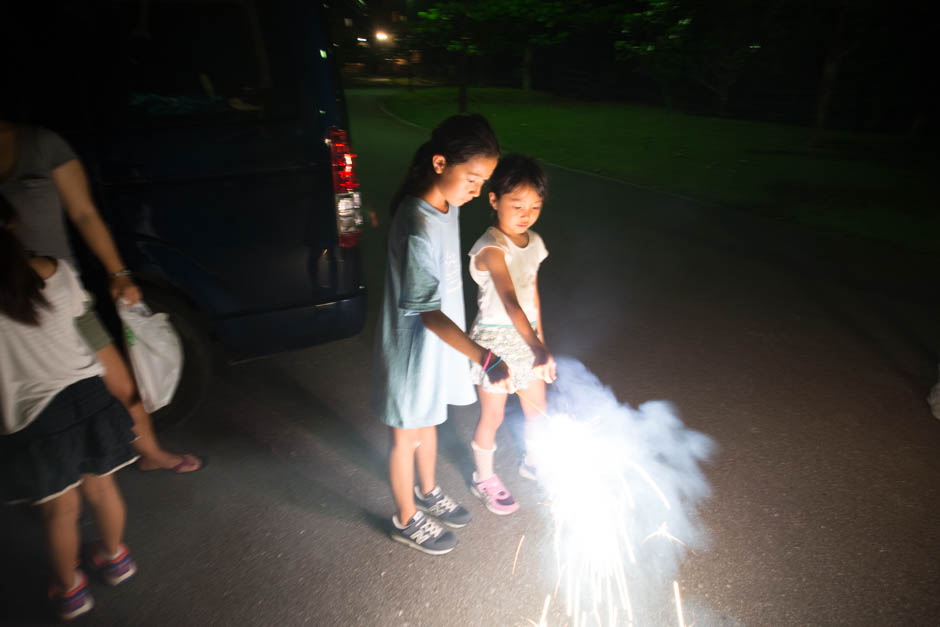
<point>381,35</point>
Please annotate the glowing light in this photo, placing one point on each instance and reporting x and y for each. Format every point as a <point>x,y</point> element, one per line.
<point>622,485</point>
<point>675,589</point>
<point>545,610</point>
<point>381,35</point>
<point>663,532</point>
<point>516,559</point>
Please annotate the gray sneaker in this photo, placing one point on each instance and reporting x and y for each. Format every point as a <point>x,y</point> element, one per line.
<point>441,506</point>
<point>424,534</point>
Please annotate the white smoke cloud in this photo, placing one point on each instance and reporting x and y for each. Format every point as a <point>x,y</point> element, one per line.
<point>623,486</point>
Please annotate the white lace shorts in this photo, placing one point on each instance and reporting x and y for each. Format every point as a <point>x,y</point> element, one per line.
<point>505,342</point>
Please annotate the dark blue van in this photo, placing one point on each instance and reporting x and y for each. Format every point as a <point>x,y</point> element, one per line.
<point>216,138</point>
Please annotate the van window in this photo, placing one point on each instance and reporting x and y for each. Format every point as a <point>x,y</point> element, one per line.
<point>191,61</point>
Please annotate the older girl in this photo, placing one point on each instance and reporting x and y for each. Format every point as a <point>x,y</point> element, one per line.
<point>422,351</point>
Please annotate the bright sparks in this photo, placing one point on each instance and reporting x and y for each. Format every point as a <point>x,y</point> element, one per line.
<point>622,488</point>
<point>675,589</point>
<point>516,559</point>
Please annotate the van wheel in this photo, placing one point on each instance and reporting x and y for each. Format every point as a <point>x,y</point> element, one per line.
<point>197,356</point>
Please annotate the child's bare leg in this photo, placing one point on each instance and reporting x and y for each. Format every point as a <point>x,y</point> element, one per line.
<point>534,407</point>
<point>533,402</point>
<point>492,412</point>
<point>60,518</point>
<point>426,455</point>
<point>118,380</point>
<point>105,500</point>
<point>401,471</point>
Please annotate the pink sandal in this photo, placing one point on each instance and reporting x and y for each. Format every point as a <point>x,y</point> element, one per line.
<point>495,496</point>
<point>187,463</point>
<point>187,460</point>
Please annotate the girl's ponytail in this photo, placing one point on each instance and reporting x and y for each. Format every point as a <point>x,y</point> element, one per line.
<point>417,178</point>
<point>459,139</point>
<point>20,286</point>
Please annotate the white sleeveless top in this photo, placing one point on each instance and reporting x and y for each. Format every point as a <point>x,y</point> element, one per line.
<point>40,361</point>
<point>523,264</point>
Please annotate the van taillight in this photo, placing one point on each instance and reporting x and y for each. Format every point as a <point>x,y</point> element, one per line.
<point>348,202</point>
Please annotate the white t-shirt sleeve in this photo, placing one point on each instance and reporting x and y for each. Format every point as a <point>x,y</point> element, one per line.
<point>420,285</point>
<point>490,239</point>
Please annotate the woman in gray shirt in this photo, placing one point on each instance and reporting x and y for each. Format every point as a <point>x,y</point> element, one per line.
<point>40,175</point>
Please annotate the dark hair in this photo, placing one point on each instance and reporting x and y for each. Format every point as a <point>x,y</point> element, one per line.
<point>20,286</point>
<point>515,170</point>
<point>459,139</point>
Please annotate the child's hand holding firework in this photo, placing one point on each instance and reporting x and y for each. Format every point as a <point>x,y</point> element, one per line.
<point>544,364</point>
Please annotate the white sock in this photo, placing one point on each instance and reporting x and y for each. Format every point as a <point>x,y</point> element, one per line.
<point>484,461</point>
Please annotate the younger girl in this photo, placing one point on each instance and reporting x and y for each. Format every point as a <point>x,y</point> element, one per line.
<point>61,431</point>
<point>421,348</point>
<point>504,262</point>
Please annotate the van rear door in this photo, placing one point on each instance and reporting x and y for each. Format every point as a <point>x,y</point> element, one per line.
<point>213,158</point>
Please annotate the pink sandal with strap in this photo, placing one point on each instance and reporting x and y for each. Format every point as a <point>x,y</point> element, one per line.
<point>495,496</point>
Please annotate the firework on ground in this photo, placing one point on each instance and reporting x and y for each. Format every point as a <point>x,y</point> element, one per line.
<point>622,487</point>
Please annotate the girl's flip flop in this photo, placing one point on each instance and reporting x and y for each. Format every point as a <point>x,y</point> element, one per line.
<point>186,461</point>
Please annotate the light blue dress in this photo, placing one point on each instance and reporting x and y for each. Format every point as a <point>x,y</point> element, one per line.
<point>415,374</point>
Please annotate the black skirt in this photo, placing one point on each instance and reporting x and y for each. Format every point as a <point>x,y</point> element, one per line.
<point>83,431</point>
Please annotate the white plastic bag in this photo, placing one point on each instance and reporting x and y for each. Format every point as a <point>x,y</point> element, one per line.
<point>155,351</point>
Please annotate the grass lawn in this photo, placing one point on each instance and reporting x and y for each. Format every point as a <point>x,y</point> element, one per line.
<point>859,184</point>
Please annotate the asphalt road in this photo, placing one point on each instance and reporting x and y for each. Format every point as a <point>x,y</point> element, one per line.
<point>809,374</point>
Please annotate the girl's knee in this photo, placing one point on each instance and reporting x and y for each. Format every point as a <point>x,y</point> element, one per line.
<point>534,405</point>
<point>66,505</point>
<point>492,406</point>
<point>95,488</point>
<point>117,377</point>
<point>493,415</point>
<point>91,492</point>
<point>404,439</point>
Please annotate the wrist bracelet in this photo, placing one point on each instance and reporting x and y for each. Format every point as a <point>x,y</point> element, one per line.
<point>498,359</point>
<point>489,356</point>
<point>124,272</point>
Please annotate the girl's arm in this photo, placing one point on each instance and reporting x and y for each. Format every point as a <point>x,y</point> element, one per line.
<point>493,260</point>
<point>452,335</point>
<point>538,306</point>
<point>70,180</point>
